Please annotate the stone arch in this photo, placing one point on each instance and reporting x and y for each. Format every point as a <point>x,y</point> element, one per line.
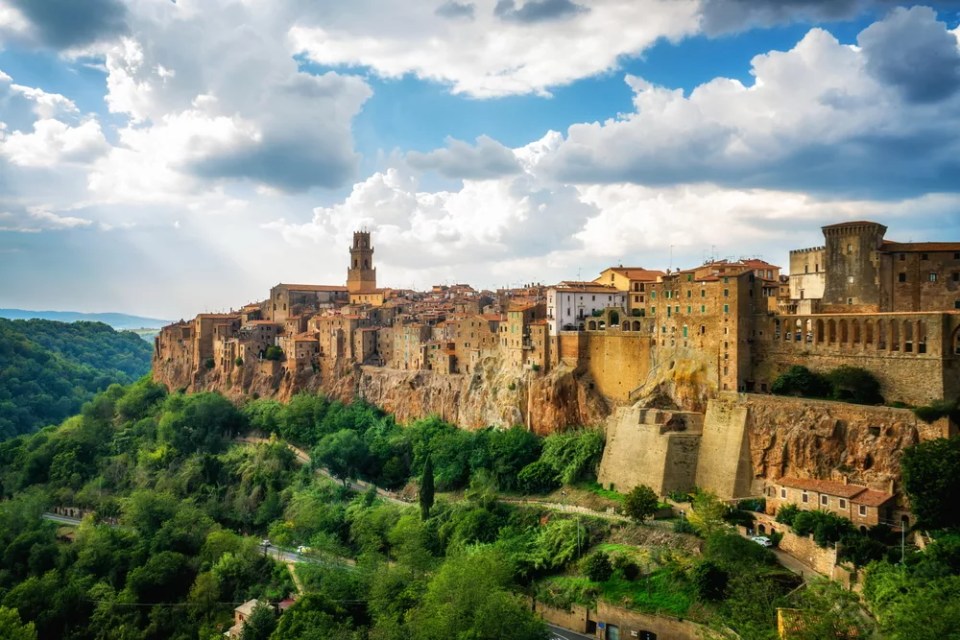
<point>844,333</point>
<point>625,326</point>
<point>855,331</point>
<point>614,318</point>
<point>592,325</point>
<point>819,330</point>
<point>894,335</point>
<point>761,528</point>
<point>636,325</point>
<point>868,332</point>
<point>908,336</point>
<point>921,336</point>
<point>881,334</point>
<point>831,331</point>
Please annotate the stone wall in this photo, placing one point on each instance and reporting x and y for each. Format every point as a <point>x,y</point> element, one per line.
<point>725,465</point>
<point>617,363</point>
<point>651,447</point>
<point>630,624</point>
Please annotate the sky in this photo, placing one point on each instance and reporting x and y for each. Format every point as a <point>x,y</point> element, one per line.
<point>167,158</point>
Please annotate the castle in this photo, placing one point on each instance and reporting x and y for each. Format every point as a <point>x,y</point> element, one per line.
<point>549,356</point>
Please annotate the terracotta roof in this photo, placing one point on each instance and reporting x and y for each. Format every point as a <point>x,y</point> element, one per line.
<point>493,317</point>
<point>823,486</point>
<point>305,337</point>
<point>312,287</point>
<point>637,273</point>
<point>872,498</point>
<point>586,287</point>
<point>906,247</point>
<point>757,263</point>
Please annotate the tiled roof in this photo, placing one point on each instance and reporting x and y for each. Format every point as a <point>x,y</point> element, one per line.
<point>872,498</point>
<point>312,287</point>
<point>828,487</point>
<point>637,273</point>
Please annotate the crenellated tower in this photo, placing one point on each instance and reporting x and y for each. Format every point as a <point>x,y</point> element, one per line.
<point>361,275</point>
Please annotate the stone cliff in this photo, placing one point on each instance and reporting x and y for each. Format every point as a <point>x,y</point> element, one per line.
<point>493,394</point>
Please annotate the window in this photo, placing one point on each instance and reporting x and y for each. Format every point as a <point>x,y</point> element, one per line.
<point>726,293</point>
<point>932,276</point>
<point>956,276</point>
<point>703,308</point>
<point>956,256</point>
<point>783,494</point>
<point>806,268</point>
<point>862,510</point>
<point>703,293</point>
<point>843,503</point>
<point>924,256</point>
<point>849,248</point>
<point>689,308</point>
<point>804,497</point>
<point>653,310</point>
<point>903,257</point>
<point>850,279</point>
<point>726,308</point>
<point>689,293</point>
<point>901,277</point>
<point>824,500</point>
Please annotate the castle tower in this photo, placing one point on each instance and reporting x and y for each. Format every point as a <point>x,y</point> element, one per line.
<point>361,275</point>
<point>853,265</point>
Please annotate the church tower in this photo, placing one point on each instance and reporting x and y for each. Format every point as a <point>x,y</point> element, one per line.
<point>361,275</point>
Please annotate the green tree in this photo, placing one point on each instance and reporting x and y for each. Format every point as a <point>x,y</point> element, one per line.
<point>853,384</point>
<point>640,503</point>
<point>827,610</point>
<point>260,624</point>
<point>537,477</point>
<point>800,381</point>
<point>426,489</point>
<point>343,453</point>
<point>931,479</point>
<point>707,514</point>
<point>12,629</point>
<point>597,566</point>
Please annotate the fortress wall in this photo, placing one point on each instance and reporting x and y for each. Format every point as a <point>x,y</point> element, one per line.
<point>724,467</point>
<point>617,363</point>
<point>638,452</point>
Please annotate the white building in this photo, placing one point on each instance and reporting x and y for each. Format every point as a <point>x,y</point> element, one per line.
<point>570,303</point>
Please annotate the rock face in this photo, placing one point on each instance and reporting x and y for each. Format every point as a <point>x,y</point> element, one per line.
<point>494,395</point>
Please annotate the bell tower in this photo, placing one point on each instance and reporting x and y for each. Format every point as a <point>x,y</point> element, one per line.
<point>361,274</point>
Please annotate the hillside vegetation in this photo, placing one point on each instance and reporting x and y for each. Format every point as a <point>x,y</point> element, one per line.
<point>49,369</point>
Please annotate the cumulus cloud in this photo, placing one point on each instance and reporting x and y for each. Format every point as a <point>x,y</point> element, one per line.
<point>537,10</point>
<point>515,52</point>
<point>914,52</point>
<point>67,24</point>
<point>487,159</point>
<point>815,118</point>
<point>454,10</point>
<point>720,17</point>
<point>227,64</point>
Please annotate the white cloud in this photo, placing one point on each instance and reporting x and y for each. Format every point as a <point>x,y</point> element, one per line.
<point>491,56</point>
<point>52,142</point>
<point>814,119</point>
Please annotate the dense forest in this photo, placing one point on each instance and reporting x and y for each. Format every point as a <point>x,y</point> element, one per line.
<point>49,369</point>
<point>177,505</point>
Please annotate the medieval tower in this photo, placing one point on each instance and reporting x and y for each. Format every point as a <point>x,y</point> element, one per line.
<point>361,275</point>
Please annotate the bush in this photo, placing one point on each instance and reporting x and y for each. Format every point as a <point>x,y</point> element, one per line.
<point>757,505</point>
<point>786,514</point>
<point>640,503</point>
<point>238,361</point>
<point>209,363</point>
<point>710,580</point>
<point>537,477</point>
<point>629,569</point>
<point>939,409</point>
<point>597,567</point>
<point>683,526</point>
<point>775,538</point>
<point>273,352</point>
<point>853,384</point>
<point>800,381</point>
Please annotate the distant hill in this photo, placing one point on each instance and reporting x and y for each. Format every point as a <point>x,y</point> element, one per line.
<point>115,320</point>
<point>49,369</point>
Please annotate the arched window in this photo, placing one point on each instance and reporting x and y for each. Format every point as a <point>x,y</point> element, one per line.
<point>881,334</point>
<point>831,331</point>
<point>868,331</point>
<point>819,330</point>
<point>908,336</point>
<point>894,335</point>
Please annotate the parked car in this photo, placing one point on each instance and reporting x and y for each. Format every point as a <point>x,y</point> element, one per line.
<point>265,542</point>
<point>302,549</point>
<point>763,541</point>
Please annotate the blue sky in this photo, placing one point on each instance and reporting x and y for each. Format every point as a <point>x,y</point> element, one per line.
<point>170,158</point>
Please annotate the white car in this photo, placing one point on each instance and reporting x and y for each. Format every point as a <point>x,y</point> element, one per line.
<point>302,549</point>
<point>264,543</point>
<point>763,541</point>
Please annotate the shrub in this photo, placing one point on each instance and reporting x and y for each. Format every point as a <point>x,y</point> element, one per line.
<point>683,526</point>
<point>597,567</point>
<point>209,363</point>
<point>800,381</point>
<point>775,538</point>
<point>710,580</point>
<point>538,477</point>
<point>786,513</point>
<point>853,384</point>
<point>627,567</point>
<point>239,361</point>
<point>640,503</point>
<point>938,409</point>
<point>273,352</point>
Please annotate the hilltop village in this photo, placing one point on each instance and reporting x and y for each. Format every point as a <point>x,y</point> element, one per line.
<point>678,364</point>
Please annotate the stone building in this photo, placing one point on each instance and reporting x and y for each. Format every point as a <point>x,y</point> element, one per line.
<point>570,304</point>
<point>861,505</point>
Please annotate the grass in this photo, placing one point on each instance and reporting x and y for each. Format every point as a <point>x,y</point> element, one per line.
<point>661,592</point>
<point>596,489</point>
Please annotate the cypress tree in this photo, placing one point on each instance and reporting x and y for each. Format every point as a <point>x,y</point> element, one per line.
<point>426,489</point>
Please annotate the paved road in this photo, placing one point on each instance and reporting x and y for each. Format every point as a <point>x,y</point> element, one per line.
<point>61,519</point>
<point>806,572</point>
<point>559,633</point>
<point>287,557</point>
